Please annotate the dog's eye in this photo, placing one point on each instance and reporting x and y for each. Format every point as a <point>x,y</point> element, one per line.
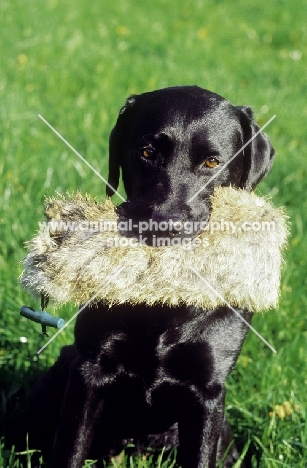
<point>212,162</point>
<point>148,152</point>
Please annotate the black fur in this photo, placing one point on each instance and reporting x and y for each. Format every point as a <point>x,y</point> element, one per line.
<point>155,375</point>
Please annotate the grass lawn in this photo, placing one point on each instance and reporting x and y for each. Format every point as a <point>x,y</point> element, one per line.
<point>75,63</point>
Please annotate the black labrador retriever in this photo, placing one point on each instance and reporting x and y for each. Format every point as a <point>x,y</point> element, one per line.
<point>155,375</point>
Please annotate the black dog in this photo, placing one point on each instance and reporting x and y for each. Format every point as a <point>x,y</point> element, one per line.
<point>155,375</point>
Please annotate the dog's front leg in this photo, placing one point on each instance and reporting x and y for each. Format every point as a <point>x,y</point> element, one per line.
<point>81,410</point>
<point>200,425</point>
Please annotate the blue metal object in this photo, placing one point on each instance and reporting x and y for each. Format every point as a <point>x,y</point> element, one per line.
<point>45,319</point>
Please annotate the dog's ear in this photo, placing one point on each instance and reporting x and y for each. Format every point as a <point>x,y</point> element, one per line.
<point>258,154</point>
<point>117,138</point>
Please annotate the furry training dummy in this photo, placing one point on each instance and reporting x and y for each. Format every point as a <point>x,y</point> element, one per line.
<point>80,254</point>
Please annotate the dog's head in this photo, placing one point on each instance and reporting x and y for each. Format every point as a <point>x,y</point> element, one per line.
<point>174,143</point>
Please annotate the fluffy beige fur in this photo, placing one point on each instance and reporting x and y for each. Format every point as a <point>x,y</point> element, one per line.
<point>242,267</point>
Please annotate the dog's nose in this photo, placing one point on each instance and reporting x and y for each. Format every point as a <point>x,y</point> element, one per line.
<point>168,223</point>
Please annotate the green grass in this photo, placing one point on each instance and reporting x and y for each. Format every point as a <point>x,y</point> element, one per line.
<point>74,63</point>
